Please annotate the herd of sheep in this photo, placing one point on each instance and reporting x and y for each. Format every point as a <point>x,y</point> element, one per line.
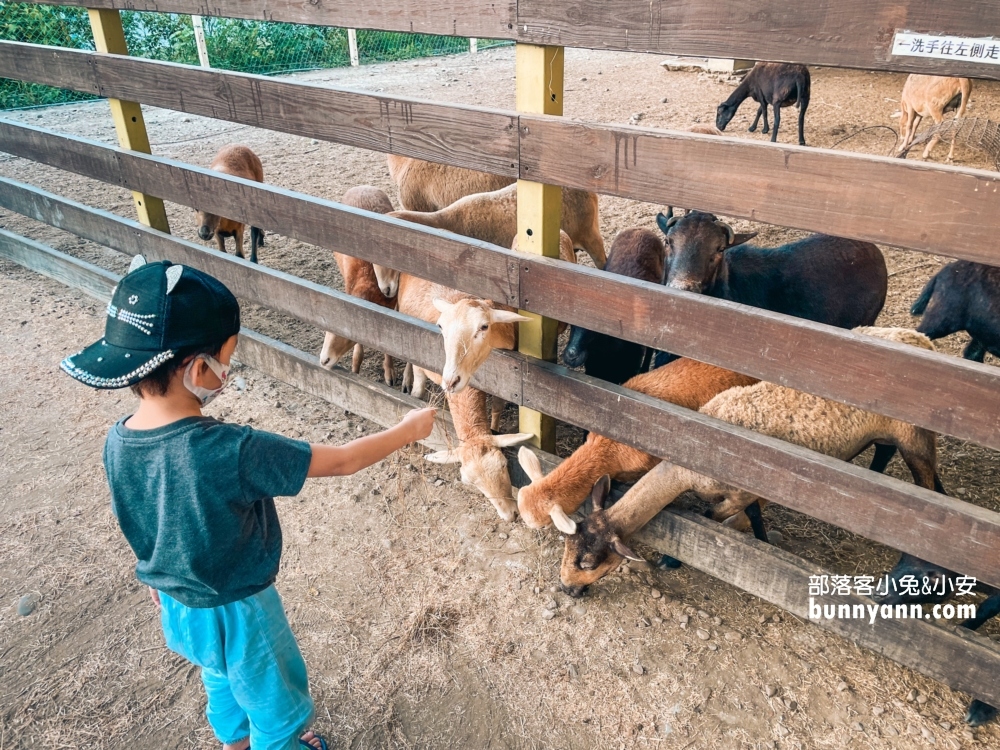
<point>831,280</point>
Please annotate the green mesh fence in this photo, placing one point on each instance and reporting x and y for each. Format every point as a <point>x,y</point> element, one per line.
<point>232,44</point>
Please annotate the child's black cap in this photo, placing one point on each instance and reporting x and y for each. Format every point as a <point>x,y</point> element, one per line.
<point>156,310</point>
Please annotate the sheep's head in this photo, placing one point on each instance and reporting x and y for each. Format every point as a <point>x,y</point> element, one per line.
<point>207,224</point>
<point>724,113</point>
<point>388,280</point>
<point>575,353</point>
<point>485,467</point>
<point>593,546</point>
<point>899,335</point>
<point>334,347</point>
<point>696,246</point>
<point>471,330</point>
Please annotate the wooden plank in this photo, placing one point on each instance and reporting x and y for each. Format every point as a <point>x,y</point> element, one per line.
<point>374,326</point>
<point>109,37</point>
<point>949,654</point>
<point>460,135</point>
<point>491,19</point>
<point>934,208</point>
<point>539,82</point>
<point>841,33</point>
<point>944,394</point>
<point>429,253</point>
<point>960,659</point>
<point>79,274</point>
<point>875,506</point>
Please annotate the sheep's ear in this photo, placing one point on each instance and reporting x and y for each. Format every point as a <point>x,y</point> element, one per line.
<point>505,316</point>
<point>741,237</point>
<point>508,441</point>
<point>442,305</point>
<point>564,523</point>
<point>665,221</point>
<point>530,463</point>
<point>620,549</point>
<point>599,494</point>
<point>452,456</point>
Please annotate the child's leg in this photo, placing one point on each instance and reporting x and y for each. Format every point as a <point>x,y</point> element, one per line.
<point>266,671</point>
<point>195,635</point>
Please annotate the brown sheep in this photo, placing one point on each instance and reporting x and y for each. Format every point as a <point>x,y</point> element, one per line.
<point>931,96</point>
<point>238,161</point>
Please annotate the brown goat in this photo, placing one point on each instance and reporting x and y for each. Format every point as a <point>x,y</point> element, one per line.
<point>238,161</point>
<point>437,190</point>
<point>359,281</point>
<point>684,382</point>
<point>931,96</point>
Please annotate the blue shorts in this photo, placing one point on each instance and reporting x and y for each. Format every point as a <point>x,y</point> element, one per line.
<point>253,672</point>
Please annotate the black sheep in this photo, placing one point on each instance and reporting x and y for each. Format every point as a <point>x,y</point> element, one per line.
<point>963,296</point>
<point>777,84</point>
<point>831,280</point>
<point>638,254</point>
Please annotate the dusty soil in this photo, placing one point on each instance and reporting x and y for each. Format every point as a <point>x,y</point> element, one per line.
<point>418,611</point>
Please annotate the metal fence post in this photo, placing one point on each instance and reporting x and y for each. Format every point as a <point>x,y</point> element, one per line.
<point>539,73</point>
<point>352,43</point>
<point>109,37</point>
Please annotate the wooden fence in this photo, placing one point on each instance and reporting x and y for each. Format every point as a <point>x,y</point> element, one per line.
<point>929,208</point>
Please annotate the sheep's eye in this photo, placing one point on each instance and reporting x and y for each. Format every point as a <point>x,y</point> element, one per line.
<point>439,327</point>
<point>485,327</point>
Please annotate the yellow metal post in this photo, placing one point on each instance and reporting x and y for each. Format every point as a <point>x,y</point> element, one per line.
<point>539,72</point>
<point>109,36</point>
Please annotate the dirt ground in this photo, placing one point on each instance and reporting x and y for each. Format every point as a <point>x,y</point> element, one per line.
<point>419,612</point>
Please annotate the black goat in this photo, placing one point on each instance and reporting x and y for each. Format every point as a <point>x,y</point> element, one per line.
<point>638,254</point>
<point>777,84</point>
<point>829,280</point>
<point>963,296</point>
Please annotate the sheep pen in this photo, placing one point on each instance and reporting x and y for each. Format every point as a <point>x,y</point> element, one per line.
<point>424,619</point>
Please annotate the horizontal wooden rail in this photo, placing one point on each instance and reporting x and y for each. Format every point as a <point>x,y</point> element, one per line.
<point>464,136</point>
<point>958,658</point>
<point>489,19</point>
<point>841,33</point>
<point>933,208</point>
<point>946,394</point>
<point>881,508</point>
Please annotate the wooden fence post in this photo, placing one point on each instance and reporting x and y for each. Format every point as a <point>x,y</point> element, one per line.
<point>539,72</point>
<point>109,37</point>
<point>352,45</point>
<point>199,40</point>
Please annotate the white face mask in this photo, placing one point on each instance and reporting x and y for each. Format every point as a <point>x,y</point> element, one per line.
<point>206,395</point>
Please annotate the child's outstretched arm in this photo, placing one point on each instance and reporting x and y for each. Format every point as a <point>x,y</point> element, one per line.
<point>341,460</point>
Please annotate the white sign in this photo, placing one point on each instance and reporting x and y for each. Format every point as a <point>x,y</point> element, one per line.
<point>981,50</point>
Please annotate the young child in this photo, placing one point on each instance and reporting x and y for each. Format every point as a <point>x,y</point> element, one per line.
<point>194,498</point>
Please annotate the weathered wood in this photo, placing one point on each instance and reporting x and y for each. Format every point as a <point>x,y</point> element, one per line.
<point>539,74</point>
<point>947,394</point>
<point>841,33</point>
<point>959,659</point>
<point>875,506</point>
<point>464,136</point>
<point>79,274</point>
<point>944,394</point>
<point>429,253</point>
<point>373,326</point>
<point>933,208</point>
<point>109,37</point>
<point>949,654</point>
<point>490,19</point>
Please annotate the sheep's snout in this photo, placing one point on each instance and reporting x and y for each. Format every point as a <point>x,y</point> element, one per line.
<point>575,591</point>
<point>453,384</point>
<point>687,284</point>
<point>206,232</point>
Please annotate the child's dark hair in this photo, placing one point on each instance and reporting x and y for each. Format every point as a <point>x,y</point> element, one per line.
<point>158,381</point>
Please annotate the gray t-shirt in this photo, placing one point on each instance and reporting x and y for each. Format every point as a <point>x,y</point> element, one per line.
<point>195,502</point>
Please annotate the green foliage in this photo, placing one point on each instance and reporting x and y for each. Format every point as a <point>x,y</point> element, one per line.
<point>233,44</point>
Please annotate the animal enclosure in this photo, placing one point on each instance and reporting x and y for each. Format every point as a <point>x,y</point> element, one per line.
<point>934,209</point>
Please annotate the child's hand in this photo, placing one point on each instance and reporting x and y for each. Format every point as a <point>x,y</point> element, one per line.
<point>420,422</point>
